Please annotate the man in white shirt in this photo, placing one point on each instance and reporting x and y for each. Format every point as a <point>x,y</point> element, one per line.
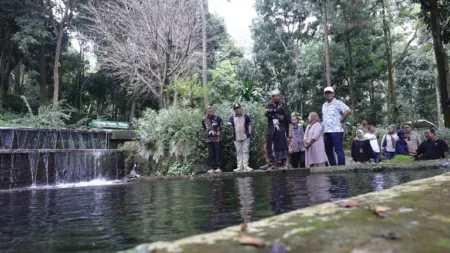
<point>388,142</point>
<point>373,143</point>
<point>334,114</point>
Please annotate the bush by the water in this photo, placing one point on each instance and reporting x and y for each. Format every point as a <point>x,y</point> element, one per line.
<point>400,159</point>
<point>172,139</point>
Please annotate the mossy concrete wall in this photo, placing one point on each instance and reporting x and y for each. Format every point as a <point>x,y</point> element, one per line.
<point>417,220</point>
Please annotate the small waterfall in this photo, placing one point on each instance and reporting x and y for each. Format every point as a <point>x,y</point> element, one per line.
<point>81,141</point>
<point>45,158</point>
<point>86,165</point>
<point>34,160</point>
<point>51,157</point>
<point>7,137</point>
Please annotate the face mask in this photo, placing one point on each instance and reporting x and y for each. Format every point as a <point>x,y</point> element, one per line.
<point>309,118</point>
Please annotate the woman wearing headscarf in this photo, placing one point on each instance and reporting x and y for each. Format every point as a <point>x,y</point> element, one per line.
<point>315,148</point>
<point>361,148</point>
<point>388,142</point>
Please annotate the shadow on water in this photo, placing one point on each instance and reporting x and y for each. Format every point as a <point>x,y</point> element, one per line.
<point>117,217</point>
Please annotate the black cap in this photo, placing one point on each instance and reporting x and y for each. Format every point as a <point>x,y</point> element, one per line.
<point>236,105</point>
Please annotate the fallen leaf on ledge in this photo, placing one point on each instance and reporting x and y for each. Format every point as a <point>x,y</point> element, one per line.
<point>380,211</point>
<point>349,204</point>
<point>253,241</point>
<point>388,235</point>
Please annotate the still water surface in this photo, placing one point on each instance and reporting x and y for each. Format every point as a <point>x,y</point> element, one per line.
<point>120,216</point>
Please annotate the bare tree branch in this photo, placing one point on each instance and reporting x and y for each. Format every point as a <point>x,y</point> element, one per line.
<point>146,43</point>
<point>405,50</point>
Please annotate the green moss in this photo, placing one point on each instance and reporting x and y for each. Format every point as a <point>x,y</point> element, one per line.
<point>400,159</point>
<point>442,243</point>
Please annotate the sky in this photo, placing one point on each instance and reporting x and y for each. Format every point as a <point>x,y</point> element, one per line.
<point>238,16</point>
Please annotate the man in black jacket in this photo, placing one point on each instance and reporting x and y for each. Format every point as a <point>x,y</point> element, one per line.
<point>278,120</point>
<point>432,148</point>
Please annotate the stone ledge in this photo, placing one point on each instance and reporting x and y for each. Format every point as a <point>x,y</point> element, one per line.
<point>418,214</point>
<point>419,165</point>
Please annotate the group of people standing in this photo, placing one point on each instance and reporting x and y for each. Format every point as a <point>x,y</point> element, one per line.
<point>320,144</point>
<point>287,143</point>
<point>406,142</point>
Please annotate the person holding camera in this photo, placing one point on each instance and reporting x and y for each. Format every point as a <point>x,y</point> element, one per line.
<point>212,128</point>
<point>277,132</point>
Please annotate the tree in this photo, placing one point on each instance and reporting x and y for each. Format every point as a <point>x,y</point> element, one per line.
<point>146,44</point>
<point>326,44</point>
<point>435,13</point>
<point>204,9</point>
<point>61,12</point>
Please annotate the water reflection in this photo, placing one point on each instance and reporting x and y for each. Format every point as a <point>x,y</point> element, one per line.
<point>117,217</point>
<point>246,198</point>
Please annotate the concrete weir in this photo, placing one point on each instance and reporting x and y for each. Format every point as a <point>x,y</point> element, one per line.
<point>31,156</point>
<point>412,217</point>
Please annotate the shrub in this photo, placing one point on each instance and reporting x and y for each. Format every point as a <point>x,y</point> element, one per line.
<point>400,159</point>
<point>174,137</point>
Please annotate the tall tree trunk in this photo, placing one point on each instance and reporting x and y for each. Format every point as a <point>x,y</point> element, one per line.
<point>438,103</point>
<point>132,110</point>
<point>17,71</point>
<point>203,4</point>
<point>5,72</point>
<point>326,43</point>
<point>441,61</point>
<point>56,65</point>
<point>42,77</point>
<point>99,107</point>
<point>391,98</point>
<point>351,78</point>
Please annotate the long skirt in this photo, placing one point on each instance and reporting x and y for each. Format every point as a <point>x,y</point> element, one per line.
<point>280,147</point>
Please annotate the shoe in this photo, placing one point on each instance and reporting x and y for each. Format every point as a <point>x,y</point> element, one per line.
<point>247,169</point>
<point>211,171</point>
<point>218,170</point>
<point>239,170</point>
<point>266,166</point>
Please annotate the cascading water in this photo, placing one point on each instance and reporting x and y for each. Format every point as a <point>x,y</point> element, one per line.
<point>49,157</point>
<point>34,159</point>
<point>6,137</point>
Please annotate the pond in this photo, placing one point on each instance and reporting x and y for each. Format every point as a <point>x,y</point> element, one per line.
<point>108,218</point>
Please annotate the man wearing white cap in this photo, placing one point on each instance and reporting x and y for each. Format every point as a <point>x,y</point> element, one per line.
<point>334,114</point>
<point>276,142</point>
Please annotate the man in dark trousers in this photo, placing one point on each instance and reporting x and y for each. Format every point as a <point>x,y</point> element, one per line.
<point>334,114</point>
<point>278,120</point>
<point>432,148</point>
<point>212,128</point>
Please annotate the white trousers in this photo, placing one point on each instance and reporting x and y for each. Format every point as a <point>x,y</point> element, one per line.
<point>242,153</point>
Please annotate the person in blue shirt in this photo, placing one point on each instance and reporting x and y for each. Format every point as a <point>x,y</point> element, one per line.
<point>401,147</point>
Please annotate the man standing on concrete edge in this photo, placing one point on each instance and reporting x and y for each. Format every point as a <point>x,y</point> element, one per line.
<point>334,114</point>
<point>278,120</point>
<point>242,130</point>
<point>212,128</point>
